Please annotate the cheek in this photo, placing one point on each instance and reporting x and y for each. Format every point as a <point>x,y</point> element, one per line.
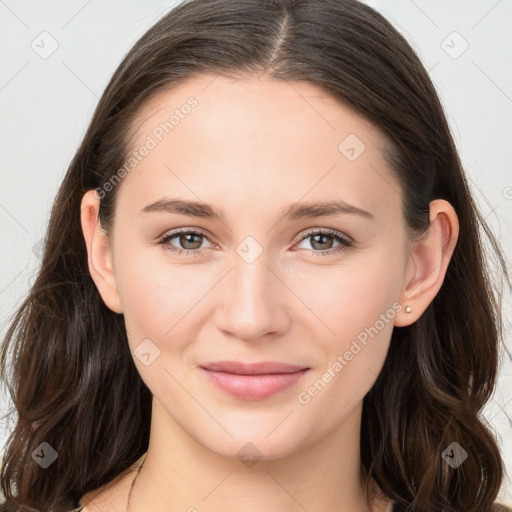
<point>145,298</point>
<point>358,309</point>
<point>355,305</point>
<point>160,298</point>
<point>352,297</point>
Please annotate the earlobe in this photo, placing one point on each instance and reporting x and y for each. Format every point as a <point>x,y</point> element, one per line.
<point>99,254</point>
<point>429,260</point>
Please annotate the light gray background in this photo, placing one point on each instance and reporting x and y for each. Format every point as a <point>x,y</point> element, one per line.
<point>46,104</point>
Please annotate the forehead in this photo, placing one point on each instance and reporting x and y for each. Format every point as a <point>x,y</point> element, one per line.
<point>225,137</point>
<point>253,101</point>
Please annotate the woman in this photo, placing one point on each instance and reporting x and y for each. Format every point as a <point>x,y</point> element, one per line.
<point>264,284</point>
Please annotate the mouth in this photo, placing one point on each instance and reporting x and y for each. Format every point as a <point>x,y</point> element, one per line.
<point>255,381</point>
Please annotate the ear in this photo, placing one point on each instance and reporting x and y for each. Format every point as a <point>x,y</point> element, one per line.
<point>99,254</point>
<point>428,262</point>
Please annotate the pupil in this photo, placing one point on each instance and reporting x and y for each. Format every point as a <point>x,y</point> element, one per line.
<point>321,237</point>
<point>185,239</point>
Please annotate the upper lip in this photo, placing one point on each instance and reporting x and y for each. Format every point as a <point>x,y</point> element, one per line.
<point>261,368</point>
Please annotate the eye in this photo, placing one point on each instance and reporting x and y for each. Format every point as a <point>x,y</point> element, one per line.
<point>322,239</point>
<point>190,241</point>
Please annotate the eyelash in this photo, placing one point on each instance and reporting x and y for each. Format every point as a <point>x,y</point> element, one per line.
<point>345,243</point>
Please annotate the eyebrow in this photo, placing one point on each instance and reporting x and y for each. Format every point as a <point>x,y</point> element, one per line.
<point>291,212</point>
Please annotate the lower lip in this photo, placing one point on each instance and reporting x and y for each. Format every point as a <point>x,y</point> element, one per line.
<point>253,387</point>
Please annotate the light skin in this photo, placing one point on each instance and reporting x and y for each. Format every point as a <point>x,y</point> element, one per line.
<point>252,147</point>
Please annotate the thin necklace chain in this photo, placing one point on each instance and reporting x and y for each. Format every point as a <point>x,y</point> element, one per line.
<point>132,484</point>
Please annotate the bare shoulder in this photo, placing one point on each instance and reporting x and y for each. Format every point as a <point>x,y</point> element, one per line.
<point>111,497</point>
<point>501,507</point>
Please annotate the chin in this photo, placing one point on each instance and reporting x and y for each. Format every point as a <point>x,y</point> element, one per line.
<point>256,442</point>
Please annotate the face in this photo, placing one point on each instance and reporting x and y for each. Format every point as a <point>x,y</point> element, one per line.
<point>257,273</point>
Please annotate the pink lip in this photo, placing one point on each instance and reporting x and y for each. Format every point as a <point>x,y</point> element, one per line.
<point>253,381</point>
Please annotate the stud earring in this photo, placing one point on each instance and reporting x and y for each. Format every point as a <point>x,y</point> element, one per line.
<point>408,309</point>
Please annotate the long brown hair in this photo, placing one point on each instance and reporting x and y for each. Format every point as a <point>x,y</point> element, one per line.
<point>66,358</point>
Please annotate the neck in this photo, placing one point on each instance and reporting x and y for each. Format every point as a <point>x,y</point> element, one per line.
<point>180,473</point>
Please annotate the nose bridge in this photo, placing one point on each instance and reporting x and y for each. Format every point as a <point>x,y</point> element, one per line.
<point>252,304</point>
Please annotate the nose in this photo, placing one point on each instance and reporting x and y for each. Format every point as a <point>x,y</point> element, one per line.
<point>253,301</point>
